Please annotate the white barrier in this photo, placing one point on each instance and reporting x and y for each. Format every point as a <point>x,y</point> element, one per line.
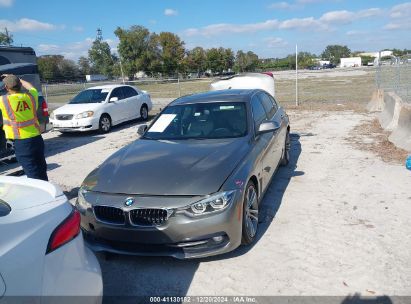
<point>401,135</point>
<point>389,116</point>
<point>376,103</point>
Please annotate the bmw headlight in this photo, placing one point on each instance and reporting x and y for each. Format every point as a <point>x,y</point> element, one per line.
<point>211,204</point>
<point>85,115</point>
<point>52,116</point>
<point>82,203</point>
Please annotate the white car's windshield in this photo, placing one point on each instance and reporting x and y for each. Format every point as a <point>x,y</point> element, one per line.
<point>90,96</point>
<point>200,121</point>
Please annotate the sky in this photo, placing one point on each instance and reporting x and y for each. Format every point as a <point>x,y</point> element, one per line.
<point>269,28</point>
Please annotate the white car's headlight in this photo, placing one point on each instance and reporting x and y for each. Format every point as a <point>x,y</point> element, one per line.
<point>84,115</point>
<point>82,202</point>
<point>52,115</point>
<point>214,203</point>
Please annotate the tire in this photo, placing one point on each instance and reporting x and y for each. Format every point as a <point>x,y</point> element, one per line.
<point>144,112</point>
<point>285,158</point>
<point>250,214</point>
<point>104,124</point>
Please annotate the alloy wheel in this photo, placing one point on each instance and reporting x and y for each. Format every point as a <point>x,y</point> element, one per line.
<point>105,124</point>
<point>251,211</point>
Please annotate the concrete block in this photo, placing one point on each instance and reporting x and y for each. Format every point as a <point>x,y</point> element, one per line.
<point>401,135</point>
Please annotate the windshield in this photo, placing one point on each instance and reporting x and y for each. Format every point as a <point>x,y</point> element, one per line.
<point>200,121</point>
<point>90,96</point>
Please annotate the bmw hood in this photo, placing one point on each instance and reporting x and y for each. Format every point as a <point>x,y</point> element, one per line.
<point>152,167</point>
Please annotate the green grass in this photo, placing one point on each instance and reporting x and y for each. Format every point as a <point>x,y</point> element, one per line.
<point>356,89</point>
<point>341,89</point>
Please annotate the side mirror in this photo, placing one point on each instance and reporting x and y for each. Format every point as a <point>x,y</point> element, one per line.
<point>113,99</point>
<point>142,129</point>
<point>144,91</point>
<point>268,126</point>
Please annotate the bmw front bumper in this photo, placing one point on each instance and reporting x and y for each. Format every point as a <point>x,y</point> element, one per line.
<point>181,236</point>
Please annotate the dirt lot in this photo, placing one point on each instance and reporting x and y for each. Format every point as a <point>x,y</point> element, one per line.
<point>335,222</point>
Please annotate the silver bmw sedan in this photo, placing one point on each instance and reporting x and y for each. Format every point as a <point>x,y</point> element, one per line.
<point>191,185</point>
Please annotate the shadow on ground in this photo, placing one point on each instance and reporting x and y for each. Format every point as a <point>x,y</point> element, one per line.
<point>272,199</point>
<point>147,276</point>
<point>64,142</point>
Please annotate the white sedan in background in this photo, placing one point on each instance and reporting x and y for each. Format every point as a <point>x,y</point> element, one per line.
<point>100,108</point>
<point>42,252</point>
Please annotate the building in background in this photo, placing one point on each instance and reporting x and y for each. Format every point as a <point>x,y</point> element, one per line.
<point>350,62</point>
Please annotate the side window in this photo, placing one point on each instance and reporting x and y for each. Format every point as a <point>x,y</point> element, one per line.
<point>117,92</point>
<point>259,114</point>
<point>276,105</point>
<point>129,92</point>
<point>269,105</point>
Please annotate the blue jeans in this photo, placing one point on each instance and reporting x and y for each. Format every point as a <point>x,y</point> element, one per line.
<point>30,155</point>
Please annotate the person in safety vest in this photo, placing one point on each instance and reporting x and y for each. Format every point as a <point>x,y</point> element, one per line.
<point>20,124</point>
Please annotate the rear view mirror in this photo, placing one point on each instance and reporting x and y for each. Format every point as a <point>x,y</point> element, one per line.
<point>269,126</point>
<point>113,99</point>
<point>142,129</point>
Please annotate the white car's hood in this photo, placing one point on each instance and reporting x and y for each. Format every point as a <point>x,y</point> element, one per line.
<point>77,108</point>
<point>23,193</point>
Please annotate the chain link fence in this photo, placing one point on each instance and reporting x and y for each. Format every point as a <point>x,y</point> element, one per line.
<point>158,88</point>
<point>395,76</point>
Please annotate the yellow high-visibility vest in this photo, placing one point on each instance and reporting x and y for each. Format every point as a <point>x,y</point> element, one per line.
<point>19,115</point>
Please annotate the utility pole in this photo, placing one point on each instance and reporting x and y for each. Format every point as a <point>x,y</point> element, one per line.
<point>296,75</point>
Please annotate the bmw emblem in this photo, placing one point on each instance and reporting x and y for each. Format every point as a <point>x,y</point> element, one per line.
<point>129,201</point>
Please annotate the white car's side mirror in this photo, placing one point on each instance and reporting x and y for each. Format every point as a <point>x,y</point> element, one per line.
<point>113,99</point>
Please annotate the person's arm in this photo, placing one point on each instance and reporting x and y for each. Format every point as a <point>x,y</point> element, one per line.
<point>27,85</point>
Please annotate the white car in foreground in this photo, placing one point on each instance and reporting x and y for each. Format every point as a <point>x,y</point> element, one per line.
<point>101,107</point>
<point>42,252</point>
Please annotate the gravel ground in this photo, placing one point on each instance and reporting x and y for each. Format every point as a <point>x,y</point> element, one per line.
<point>335,222</point>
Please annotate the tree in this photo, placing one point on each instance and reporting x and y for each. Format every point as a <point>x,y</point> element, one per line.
<point>84,66</point>
<point>57,68</point>
<point>172,52</point>
<point>69,70</point>
<point>214,60</point>
<point>367,59</point>
<point>335,52</point>
<point>49,67</point>
<point>228,58</point>
<point>246,62</point>
<point>305,59</point>
<point>196,60</point>
<point>100,57</point>
<point>6,38</point>
<point>138,49</point>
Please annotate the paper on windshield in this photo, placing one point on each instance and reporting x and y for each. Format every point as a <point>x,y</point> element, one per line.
<point>162,123</point>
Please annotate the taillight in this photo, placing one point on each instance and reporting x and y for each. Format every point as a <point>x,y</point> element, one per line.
<point>45,108</point>
<point>65,232</point>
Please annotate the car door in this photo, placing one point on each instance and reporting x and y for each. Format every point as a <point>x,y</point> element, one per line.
<point>118,108</point>
<point>276,142</point>
<point>261,143</point>
<point>133,100</point>
<point>2,286</point>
